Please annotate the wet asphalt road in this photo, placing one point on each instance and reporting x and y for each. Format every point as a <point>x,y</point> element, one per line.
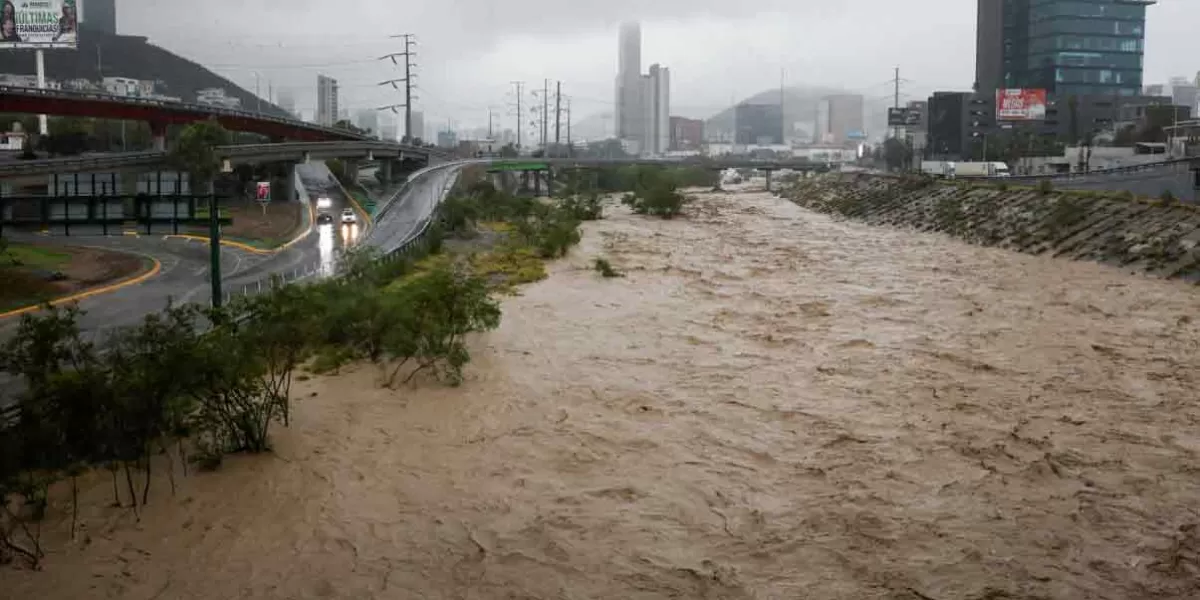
<point>184,274</point>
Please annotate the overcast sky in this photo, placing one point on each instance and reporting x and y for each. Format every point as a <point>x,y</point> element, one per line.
<point>470,50</point>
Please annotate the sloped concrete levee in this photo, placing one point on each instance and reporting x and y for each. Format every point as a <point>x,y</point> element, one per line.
<point>1136,234</point>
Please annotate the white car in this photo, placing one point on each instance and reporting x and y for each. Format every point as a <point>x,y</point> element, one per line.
<point>348,216</point>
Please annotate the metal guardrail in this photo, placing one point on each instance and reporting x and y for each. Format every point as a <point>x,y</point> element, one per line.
<point>1113,171</point>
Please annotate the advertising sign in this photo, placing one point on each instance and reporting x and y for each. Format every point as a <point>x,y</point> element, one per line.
<point>263,192</point>
<point>39,24</point>
<point>1020,105</point>
<point>904,117</point>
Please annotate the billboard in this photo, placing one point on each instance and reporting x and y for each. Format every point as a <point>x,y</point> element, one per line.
<point>262,192</point>
<point>904,117</point>
<point>1020,105</point>
<point>39,24</point>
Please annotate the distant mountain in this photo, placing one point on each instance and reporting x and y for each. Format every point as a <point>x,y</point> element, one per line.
<point>593,127</point>
<point>132,57</point>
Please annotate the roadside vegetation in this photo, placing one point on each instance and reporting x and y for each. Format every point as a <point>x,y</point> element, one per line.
<point>191,385</point>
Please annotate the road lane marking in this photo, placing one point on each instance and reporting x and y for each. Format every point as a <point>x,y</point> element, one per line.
<point>96,291</point>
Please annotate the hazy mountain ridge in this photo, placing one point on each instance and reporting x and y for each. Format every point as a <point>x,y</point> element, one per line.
<point>103,54</point>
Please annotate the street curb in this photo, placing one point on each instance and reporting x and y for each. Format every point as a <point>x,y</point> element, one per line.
<point>155,268</point>
<point>247,247</point>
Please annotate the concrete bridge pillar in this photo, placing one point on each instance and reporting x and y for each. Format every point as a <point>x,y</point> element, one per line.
<point>158,132</point>
<point>768,171</point>
<point>385,167</point>
<point>289,186</point>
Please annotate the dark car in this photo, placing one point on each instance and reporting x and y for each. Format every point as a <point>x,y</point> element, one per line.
<point>324,217</point>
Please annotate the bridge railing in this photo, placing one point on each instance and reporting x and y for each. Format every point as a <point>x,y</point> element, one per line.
<point>177,106</point>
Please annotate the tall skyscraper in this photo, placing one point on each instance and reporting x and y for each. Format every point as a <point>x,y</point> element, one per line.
<point>286,100</point>
<point>629,82</point>
<point>1067,47</point>
<point>99,15</point>
<point>327,101</point>
<point>643,101</point>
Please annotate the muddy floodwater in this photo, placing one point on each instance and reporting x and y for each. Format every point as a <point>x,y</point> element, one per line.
<point>770,404</point>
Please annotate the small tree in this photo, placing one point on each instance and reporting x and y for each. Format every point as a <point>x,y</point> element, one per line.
<point>436,310</point>
<point>195,152</point>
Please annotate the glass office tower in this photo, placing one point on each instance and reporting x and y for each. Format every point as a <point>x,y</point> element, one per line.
<point>1076,47</point>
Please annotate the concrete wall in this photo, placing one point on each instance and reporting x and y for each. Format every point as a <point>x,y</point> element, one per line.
<point>172,183</point>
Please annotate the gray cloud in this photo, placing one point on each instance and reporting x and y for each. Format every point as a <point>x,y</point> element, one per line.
<point>470,49</point>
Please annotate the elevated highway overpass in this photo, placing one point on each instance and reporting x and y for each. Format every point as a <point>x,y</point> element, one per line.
<point>297,152</point>
<point>161,113</point>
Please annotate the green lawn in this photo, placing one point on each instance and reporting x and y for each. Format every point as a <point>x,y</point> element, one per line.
<point>38,257</point>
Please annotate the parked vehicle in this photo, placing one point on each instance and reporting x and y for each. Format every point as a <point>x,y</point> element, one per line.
<point>951,170</point>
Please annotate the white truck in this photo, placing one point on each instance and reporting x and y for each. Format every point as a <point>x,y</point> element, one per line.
<point>965,169</point>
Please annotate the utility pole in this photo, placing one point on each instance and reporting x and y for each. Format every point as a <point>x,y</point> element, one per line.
<point>896,81</point>
<point>557,113</point>
<point>519,85</point>
<point>570,146</point>
<point>490,134</point>
<point>409,42</point>
<point>545,113</point>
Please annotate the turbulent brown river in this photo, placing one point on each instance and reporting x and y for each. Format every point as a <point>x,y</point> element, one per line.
<point>771,404</point>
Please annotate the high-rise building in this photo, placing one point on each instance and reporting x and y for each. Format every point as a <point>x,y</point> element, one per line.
<point>629,82</point>
<point>99,15</point>
<point>686,134</point>
<point>643,101</point>
<point>418,126</point>
<point>656,95</point>
<point>844,119</point>
<point>1067,47</point>
<point>367,119</point>
<point>758,124</point>
<point>287,101</point>
<point>327,101</point>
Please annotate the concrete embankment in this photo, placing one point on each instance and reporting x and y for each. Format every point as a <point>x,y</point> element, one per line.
<point>1143,235</point>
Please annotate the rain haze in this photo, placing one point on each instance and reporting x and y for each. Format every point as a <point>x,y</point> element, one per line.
<point>630,299</point>
<point>718,52</point>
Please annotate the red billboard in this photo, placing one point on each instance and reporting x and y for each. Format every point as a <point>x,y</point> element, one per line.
<point>262,192</point>
<point>1020,105</point>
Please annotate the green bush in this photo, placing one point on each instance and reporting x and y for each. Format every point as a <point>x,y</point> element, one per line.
<point>1045,187</point>
<point>605,268</point>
